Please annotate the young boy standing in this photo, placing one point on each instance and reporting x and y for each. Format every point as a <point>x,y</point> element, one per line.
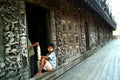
<point>48,62</point>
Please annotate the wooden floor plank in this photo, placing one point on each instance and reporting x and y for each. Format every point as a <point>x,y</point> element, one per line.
<point>115,74</point>
<point>109,70</point>
<point>102,70</point>
<point>119,65</point>
<point>112,68</point>
<point>91,63</point>
<point>96,61</point>
<point>95,71</point>
<point>103,65</point>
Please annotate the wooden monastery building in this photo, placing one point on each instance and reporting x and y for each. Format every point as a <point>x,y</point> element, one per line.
<point>76,27</point>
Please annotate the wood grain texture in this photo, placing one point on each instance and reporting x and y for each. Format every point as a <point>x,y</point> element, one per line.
<point>103,65</point>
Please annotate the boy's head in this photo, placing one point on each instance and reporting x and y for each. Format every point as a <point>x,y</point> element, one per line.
<point>50,47</point>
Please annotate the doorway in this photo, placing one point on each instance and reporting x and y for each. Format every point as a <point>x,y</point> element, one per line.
<point>37,24</point>
<point>87,36</point>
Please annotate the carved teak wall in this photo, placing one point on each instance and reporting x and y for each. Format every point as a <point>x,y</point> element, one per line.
<point>14,59</point>
<point>74,29</point>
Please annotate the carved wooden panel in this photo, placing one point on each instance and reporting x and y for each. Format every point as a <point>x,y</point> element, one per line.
<point>59,38</point>
<point>15,41</point>
<point>2,64</point>
<point>23,40</point>
<point>71,31</point>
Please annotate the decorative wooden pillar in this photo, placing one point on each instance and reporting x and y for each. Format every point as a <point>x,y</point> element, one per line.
<point>2,59</point>
<point>59,38</point>
<point>23,40</point>
<point>15,57</point>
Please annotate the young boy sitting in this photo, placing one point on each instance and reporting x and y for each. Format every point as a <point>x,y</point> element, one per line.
<point>48,62</point>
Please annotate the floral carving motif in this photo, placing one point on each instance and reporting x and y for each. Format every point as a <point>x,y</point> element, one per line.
<point>14,36</point>
<point>59,37</point>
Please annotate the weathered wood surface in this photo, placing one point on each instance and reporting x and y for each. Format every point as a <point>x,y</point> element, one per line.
<point>103,65</point>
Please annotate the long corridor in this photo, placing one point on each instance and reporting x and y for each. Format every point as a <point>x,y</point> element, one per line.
<point>102,65</point>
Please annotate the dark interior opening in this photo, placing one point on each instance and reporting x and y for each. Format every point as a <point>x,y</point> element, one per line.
<point>37,29</point>
<point>37,25</point>
<point>87,36</point>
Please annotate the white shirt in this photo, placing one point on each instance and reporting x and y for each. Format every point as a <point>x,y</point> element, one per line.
<point>52,59</point>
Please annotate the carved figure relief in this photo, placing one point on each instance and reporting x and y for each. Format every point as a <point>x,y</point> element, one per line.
<point>64,25</point>
<point>14,39</point>
<point>70,38</point>
<point>76,38</point>
<point>70,26</point>
<point>59,37</point>
<point>65,38</point>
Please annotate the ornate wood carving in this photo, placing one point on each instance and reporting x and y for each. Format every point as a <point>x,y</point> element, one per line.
<point>68,34</point>
<point>15,44</point>
<point>23,40</point>
<point>59,37</point>
<point>2,64</point>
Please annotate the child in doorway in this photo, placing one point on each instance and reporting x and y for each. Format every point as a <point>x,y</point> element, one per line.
<point>48,62</point>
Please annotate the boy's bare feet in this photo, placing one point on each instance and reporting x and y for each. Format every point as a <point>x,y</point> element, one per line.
<point>38,74</point>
